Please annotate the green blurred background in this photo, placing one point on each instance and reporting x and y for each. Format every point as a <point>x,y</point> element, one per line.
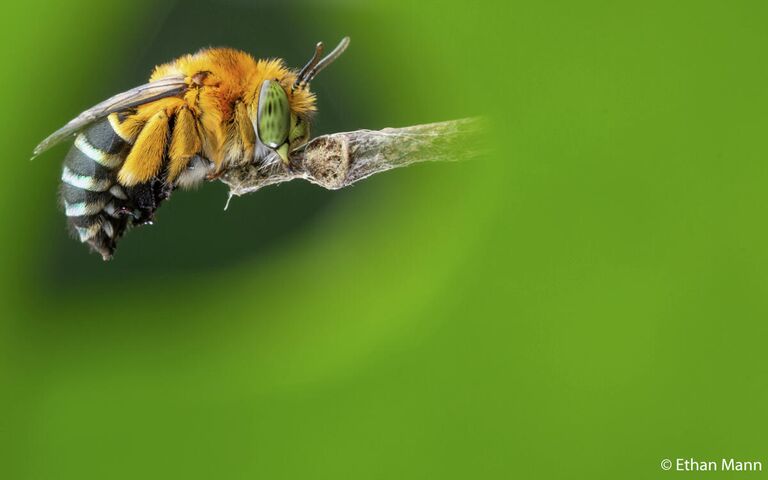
<point>584,302</point>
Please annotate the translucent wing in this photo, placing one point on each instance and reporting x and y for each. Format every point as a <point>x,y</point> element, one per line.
<point>164,87</point>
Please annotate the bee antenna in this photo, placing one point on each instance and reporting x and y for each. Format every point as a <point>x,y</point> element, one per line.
<point>314,67</point>
<point>319,48</point>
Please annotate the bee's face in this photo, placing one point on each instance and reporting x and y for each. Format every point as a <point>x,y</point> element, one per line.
<point>277,126</point>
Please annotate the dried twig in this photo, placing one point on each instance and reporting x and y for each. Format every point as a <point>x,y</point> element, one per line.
<point>340,159</point>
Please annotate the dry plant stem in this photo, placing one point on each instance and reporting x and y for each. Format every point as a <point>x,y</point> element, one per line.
<point>340,159</point>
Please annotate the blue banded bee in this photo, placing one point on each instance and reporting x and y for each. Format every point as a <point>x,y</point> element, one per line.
<point>198,116</point>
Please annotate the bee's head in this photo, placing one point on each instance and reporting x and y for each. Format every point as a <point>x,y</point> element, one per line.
<point>278,127</point>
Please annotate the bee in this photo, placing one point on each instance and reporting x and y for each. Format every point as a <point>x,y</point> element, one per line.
<point>198,116</point>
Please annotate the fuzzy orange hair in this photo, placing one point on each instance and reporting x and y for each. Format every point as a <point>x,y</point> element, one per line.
<point>214,117</point>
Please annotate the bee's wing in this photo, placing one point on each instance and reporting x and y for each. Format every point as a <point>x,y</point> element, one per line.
<point>164,87</point>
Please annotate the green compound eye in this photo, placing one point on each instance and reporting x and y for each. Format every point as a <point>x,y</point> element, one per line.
<point>274,117</point>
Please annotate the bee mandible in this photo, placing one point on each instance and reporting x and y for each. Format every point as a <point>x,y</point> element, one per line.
<point>199,115</point>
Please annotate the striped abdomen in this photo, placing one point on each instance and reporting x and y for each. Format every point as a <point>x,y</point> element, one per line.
<point>98,208</point>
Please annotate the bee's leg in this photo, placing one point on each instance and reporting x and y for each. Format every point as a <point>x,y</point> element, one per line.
<point>145,160</point>
<point>185,145</point>
<point>143,204</point>
<point>213,175</point>
<point>239,142</point>
<point>123,211</point>
<point>142,174</point>
<point>244,131</point>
